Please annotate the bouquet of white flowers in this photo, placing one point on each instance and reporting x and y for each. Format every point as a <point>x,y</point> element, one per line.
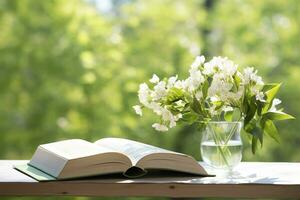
<point>214,91</point>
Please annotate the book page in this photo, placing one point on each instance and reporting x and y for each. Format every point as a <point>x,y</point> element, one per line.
<point>75,148</point>
<point>134,150</point>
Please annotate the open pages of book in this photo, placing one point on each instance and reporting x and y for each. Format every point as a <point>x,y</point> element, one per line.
<point>148,157</point>
<point>77,158</point>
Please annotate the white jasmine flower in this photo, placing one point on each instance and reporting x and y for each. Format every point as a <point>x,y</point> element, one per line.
<point>228,67</point>
<point>167,115</point>
<point>250,75</point>
<point>197,78</point>
<point>185,84</point>
<point>174,119</point>
<point>198,61</point>
<point>258,80</point>
<point>223,65</point>
<point>194,81</point>
<point>260,96</point>
<point>157,109</point>
<point>179,84</point>
<point>171,82</point>
<point>209,69</point>
<point>230,70</point>
<point>255,89</point>
<point>215,61</point>
<point>143,94</point>
<point>219,87</point>
<point>274,104</point>
<point>138,110</point>
<point>160,127</point>
<point>202,59</point>
<point>159,90</point>
<point>188,85</point>
<point>154,79</point>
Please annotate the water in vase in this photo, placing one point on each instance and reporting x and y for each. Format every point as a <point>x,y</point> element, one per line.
<point>222,156</point>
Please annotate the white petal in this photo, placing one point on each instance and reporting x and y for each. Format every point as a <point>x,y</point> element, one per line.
<point>138,110</point>
<point>154,79</point>
<point>143,93</point>
<point>276,101</point>
<point>159,90</point>
<point>172,80</point>
<point>260,96</point>
<point>157,109</point>
<point>198,61</point>
<point>160,127</point>
<point>172,123</point>
<point>274,104</point>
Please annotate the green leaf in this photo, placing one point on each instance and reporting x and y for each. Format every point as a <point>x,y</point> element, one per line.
<point>174,94</point>
<point>272,92</point>
<point>205,89</point>
<point>277,115</point>
<point>254,129</point>
<point>268,86</point>
<point>177,106</point>
<point>260,106</point>
<point>189,117</point>
<point>254,144</point>
<point>228,116</point>
<point>237,80</point>
<point>271,130</point>
<point>236,85</point>
<point>270,95</point>
<point>236,115</point>
<point>257,132</point>
<point>196,106</point>
<point>218,104</point>
<point>251,110</point>
<point>249,127</point>
<point>244,107</point>
<point>201,126</point>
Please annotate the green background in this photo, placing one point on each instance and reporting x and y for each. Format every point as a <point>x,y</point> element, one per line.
<point>71,69</point>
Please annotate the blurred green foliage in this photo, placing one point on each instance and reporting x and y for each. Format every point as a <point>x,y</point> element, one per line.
<point>71,70</point>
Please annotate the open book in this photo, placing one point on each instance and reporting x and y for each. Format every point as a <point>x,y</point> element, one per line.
<point>79,158</point>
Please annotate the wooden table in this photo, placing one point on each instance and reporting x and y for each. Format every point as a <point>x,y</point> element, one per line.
<point>250,180</point>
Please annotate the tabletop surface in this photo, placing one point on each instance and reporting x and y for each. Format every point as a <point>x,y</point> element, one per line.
<point>249,180</point>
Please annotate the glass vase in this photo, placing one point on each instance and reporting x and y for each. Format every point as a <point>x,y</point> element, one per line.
<point>221,146</point>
